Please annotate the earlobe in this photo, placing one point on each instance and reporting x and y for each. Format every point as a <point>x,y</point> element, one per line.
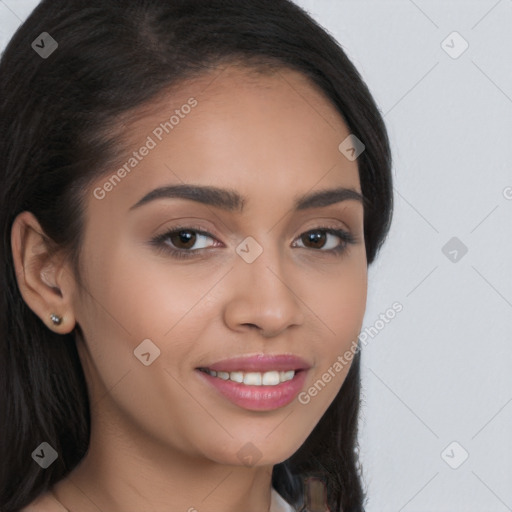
<point>39,273</point>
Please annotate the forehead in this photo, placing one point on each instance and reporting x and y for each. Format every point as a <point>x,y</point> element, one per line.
<point>240,128</point>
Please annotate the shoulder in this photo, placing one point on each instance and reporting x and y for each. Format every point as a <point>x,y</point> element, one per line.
<point>46,502</point>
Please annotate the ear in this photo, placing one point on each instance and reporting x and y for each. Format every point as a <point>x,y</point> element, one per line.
<point>45,282</point>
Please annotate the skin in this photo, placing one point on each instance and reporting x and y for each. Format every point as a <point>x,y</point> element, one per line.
<point>160,436</point>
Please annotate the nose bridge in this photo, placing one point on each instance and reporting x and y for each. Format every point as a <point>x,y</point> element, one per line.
<point>263,291</point>
<point>264,264</point>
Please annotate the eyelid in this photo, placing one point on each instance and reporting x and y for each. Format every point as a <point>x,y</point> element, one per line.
<point>185,227</point>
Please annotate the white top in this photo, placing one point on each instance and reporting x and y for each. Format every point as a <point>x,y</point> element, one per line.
<point>278,504</point>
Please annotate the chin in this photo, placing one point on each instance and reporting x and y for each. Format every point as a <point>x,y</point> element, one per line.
<point>255,453</point>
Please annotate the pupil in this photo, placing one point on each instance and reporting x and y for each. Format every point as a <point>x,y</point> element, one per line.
<point>185,237</point>
<point>316,237</point>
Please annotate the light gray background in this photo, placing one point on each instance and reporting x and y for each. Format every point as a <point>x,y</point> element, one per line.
<point>438,372</point>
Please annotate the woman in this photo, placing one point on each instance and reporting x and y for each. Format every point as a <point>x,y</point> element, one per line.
<point>193,191</point>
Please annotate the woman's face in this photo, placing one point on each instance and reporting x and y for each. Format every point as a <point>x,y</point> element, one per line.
<point>251,273</point>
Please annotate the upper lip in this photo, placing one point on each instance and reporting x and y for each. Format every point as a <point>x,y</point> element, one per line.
<point>260,363</point>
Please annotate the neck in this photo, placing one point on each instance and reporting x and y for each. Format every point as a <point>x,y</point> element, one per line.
<point>125,472</point>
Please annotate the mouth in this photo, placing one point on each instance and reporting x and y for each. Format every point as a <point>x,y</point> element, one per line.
<point>259,382</point>
<point>269,378</point>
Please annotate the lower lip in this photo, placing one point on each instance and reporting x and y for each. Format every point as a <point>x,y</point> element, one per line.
<point>258,398</point>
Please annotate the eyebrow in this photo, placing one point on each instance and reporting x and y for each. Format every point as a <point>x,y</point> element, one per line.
<point>230,200</point>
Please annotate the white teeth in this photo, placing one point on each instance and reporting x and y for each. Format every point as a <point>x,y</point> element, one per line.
<point>284,376</point>
<point>252,379</point>
<point>236,376</point>
<point>271,378</point>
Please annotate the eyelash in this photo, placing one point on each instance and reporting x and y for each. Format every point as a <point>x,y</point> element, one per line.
<point>160,243</point>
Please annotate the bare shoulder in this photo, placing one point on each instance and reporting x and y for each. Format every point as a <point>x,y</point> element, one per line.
<point>44,503</point>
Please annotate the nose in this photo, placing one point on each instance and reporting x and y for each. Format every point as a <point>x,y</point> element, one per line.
<point>264,296</point>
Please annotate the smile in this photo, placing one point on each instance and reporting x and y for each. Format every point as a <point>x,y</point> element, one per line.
<point>269,378</point>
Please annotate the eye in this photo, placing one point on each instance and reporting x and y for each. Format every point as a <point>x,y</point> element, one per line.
<point>189,241</point>
<point>183,242</point>
<point>324,239</point>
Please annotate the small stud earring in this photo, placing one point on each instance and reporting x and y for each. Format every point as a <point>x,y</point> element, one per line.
<point>56,319</point>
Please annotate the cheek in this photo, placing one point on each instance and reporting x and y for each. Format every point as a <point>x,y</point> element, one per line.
<point>131,299</point>
<point>142,294</point>
<point>339,300</point>
<point>340,305</point>
<point>134,296</point>
<point>345,306</point>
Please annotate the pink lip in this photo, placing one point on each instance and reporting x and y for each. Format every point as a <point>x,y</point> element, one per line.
<point>257,398</point>
<point>260,363</point>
